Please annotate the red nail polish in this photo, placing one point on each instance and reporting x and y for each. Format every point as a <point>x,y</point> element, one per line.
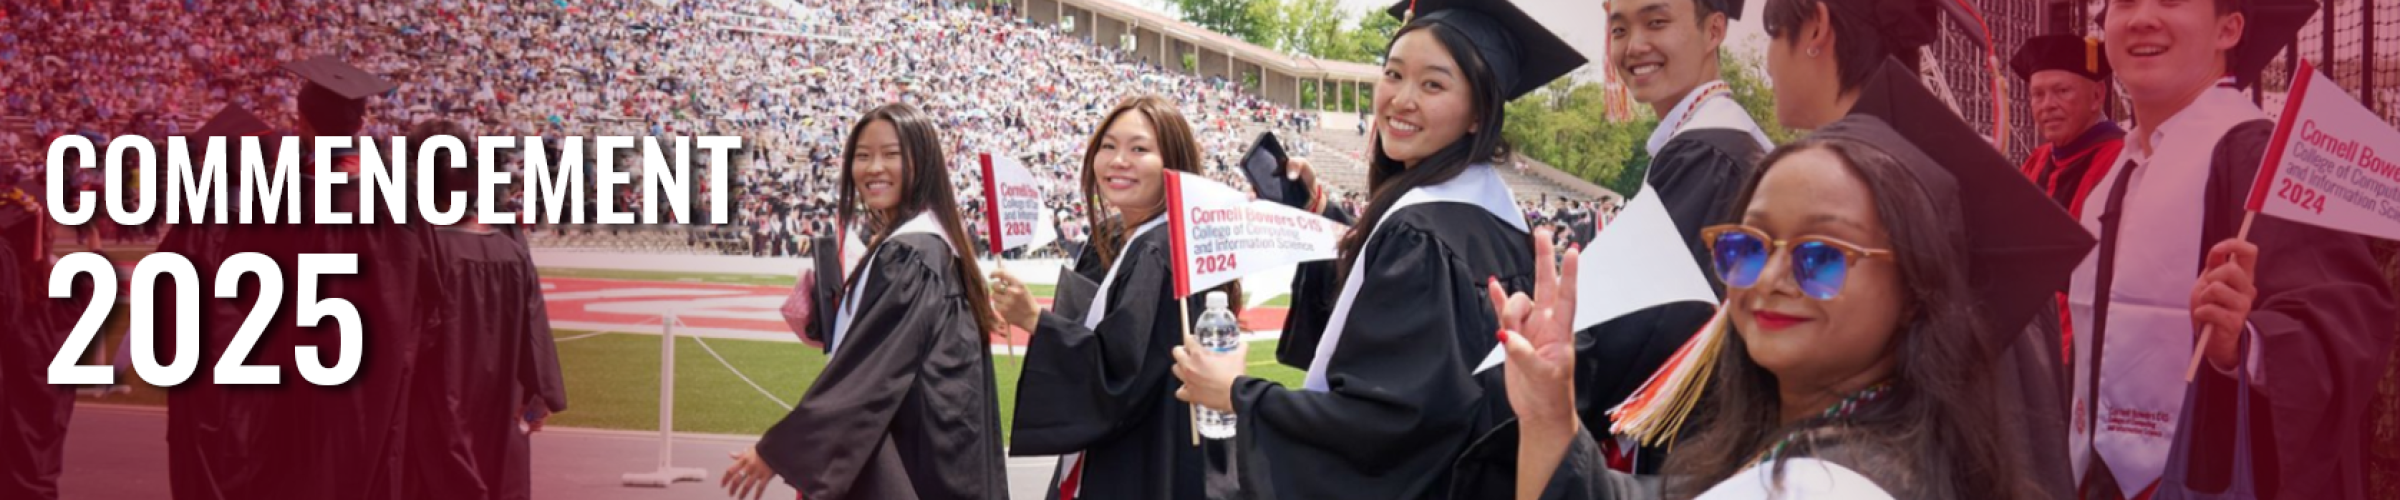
<point>1502,334</point>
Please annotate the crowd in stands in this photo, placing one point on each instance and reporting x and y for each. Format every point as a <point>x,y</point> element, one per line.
<point>787,75</point>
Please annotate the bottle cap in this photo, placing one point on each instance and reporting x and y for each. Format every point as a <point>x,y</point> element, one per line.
<point>1216,300</point>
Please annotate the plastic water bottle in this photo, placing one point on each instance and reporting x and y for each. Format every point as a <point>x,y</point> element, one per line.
<point>1220,333</point>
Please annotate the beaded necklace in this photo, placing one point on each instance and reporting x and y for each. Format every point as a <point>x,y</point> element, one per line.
<point>1842,409</point>
<point>1710,92</point>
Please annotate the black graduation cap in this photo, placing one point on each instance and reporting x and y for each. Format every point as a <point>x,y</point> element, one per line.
<point>334,101</point>
<point>2268,26</point>
<point>2021,245</point>
<point>2070,53</point>
<point>1524,55</point>
<point>233,121</point>
<point>1263,165</point>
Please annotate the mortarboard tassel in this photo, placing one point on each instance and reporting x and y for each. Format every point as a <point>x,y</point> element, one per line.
<point>2091,54</point>
<point>1657,411</point>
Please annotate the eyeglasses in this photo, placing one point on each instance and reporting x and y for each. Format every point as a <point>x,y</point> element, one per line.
<point>1818,264</point>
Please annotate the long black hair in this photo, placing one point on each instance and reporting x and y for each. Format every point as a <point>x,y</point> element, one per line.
<point>924,187</point>
<point>1935,435</point>
<point>1388,179</point>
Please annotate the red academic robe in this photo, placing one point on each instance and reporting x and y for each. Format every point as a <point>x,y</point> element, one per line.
<point>2068,172</point>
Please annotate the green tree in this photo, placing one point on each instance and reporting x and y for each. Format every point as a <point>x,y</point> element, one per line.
<point>1365,40</point>
<point>1312,28</point>
<point>1751,89</point>
<point>1565,125</point>
<point>1268,25</point>
<point>1233,18</point>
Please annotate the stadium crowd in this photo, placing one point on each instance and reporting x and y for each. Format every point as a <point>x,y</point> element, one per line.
<point>784,74</point>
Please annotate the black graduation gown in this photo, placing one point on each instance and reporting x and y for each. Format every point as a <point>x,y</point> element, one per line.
<point>1109,392</point>
<point>826,257</point>
<point>33,422</point>
<point>2321,321</point>
<point>906,407</point>
<point>1078,284</point>
<point>1403,403</point>
<point>297,440</point>
<point>1696,175</point>
<point>478,376</point>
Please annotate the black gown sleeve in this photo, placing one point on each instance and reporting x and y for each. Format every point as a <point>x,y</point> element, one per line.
<point>2320,323</point>
<point>1081,386</point>
<point>840,430</point>
<point>1401,398</point>
<point>1584,475</point>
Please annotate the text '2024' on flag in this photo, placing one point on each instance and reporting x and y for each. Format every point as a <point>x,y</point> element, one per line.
<point>2324,168</point>
<point>1013,211</point>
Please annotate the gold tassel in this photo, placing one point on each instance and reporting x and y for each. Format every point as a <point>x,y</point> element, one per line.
<point>1655,414</point>
<point>2091,54</point>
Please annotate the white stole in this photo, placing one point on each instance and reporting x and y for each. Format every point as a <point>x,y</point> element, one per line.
<point>924,223</point>
<point>1479,185</point>
<point>1703,109</point>
<point>2149,335</point>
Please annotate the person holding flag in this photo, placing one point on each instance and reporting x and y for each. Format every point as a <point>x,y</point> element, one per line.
<point>1096,388</point>
<point>1392,333</point>
<point>2295,321</point>
<point>1668,53</point>
<point>2067,77</point>
<point>907,405</point>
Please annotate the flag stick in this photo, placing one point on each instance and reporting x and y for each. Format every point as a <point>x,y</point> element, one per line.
<point>1192,410</point>
<point>2200,350</point>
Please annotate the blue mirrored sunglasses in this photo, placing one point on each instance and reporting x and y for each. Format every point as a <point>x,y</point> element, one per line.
<point>1818,264</point>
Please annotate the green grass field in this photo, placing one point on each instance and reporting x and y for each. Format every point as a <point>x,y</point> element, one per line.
<point>613,381</point>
